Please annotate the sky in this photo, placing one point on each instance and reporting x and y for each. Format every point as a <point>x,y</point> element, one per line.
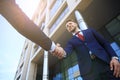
<point>11,42</point>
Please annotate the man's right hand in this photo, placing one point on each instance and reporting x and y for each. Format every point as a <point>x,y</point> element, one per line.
<point>59,51</point>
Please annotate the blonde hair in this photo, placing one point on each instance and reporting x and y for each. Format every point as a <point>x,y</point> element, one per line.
<point>70,20</point>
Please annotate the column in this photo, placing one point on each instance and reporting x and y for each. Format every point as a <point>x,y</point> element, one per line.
<point>46,30</point>
<point>32,68</point>
<point>80,20</point>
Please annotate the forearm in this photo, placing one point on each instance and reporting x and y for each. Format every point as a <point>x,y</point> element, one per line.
<point>15,16</point>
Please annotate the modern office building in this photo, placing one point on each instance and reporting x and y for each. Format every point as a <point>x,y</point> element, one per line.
<point>50,16</point>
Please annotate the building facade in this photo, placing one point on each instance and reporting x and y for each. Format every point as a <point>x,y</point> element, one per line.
<point>50,16</point>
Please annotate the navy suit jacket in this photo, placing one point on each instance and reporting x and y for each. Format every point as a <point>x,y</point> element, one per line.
<point>95,43</point>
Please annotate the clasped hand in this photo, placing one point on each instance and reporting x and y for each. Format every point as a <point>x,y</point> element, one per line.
<point>59,51</point>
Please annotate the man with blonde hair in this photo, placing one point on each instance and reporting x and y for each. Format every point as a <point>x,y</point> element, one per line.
<point>96,58</point>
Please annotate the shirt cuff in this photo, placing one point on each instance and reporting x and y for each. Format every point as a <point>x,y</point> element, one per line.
<point>52,47</point>
<point>65,54</point>
<point>114,57</point>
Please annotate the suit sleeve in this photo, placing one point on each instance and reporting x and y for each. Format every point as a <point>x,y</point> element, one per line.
<point>104,43</point>
<point>14,15</point>
<point>69,48</point>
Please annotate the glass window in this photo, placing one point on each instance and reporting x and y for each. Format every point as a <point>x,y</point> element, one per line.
<point>113,27</point>
<point>117,39</point>
<point>78,78</point>
<point>69,69</point>
<point>70,77</point>
<point>59,19</point>
<point>116,48</point>
<point>55,7</point>
<point>58,77</point>
<point>73,57</point>
<point>76,68</point>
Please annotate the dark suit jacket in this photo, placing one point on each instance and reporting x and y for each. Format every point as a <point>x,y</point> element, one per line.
<point>93,42</point>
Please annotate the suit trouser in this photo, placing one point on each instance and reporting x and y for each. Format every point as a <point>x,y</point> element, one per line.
<point>100,71</point>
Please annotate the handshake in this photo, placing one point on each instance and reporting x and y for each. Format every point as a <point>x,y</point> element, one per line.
<point>59,51</point>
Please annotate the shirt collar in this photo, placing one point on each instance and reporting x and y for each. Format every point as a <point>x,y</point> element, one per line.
<point>75,33</point>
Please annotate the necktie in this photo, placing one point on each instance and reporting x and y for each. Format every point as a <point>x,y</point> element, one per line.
<point>80,36</point>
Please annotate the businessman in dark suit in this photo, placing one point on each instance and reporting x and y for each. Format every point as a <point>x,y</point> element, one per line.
<point>96,59</point>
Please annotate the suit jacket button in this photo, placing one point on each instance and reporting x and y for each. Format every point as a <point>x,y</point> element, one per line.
<point>85,43</point>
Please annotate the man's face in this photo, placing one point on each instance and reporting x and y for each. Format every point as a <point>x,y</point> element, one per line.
<point>71,26</point>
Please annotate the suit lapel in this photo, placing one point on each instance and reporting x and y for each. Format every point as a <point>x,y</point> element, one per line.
<point>88,35</point>
<point>84,34</point>
<point>77,38</point>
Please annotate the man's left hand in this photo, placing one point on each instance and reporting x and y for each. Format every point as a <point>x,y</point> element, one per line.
<point>115,65</point>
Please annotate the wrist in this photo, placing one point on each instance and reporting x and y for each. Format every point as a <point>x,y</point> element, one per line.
<point>53,46</point>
